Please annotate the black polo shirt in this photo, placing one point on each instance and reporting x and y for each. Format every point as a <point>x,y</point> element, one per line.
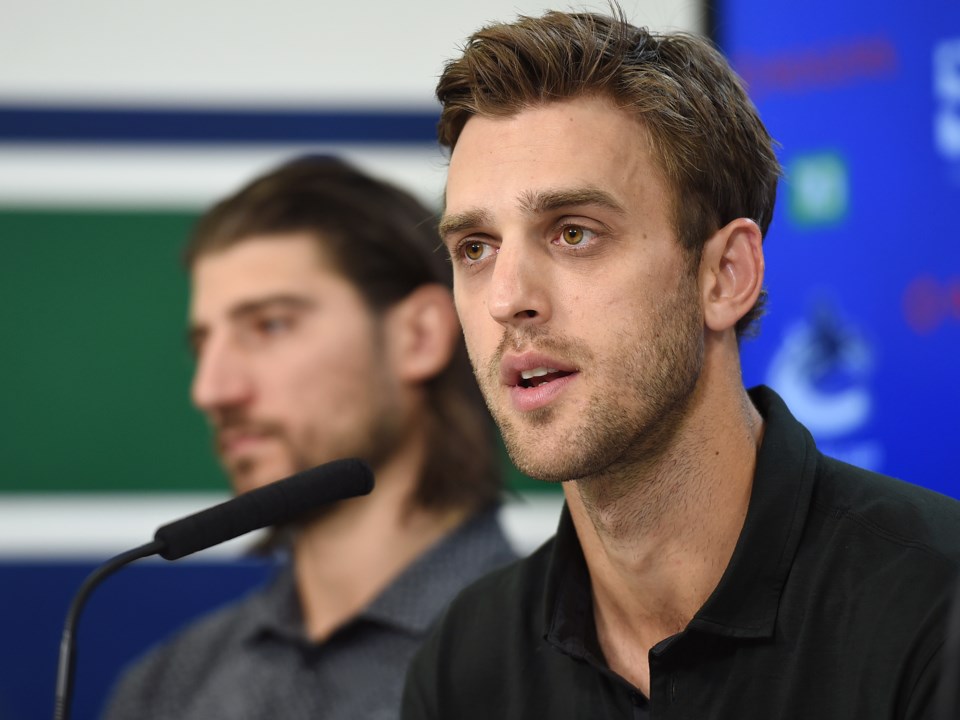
<point>833,606</point>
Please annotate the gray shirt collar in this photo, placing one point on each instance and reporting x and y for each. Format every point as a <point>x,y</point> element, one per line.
<point>411,602</point>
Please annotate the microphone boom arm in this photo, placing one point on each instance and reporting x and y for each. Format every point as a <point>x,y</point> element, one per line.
<point>274,504</point>
<point>65,664</point>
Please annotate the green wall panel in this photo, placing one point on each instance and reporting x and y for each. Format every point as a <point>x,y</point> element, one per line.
<point>94,366</point>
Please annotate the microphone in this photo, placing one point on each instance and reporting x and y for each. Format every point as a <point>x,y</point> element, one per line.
<point>274,504</point>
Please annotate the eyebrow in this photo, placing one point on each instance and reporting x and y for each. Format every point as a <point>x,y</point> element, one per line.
<point>251,307</point>
<point>533,203</point>
<point>457,222</point>
<point>547,200</point>
<point>288,300</point>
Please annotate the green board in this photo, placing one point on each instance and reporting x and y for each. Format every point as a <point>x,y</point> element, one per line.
<point>94,364</point>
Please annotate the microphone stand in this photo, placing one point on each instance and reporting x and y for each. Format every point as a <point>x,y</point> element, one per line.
<point>65,663</point>
<point>274,504</point>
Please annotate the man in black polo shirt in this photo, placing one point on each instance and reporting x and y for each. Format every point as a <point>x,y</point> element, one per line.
<point>607,199</point>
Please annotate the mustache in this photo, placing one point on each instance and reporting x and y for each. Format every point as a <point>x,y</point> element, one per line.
<point>541,340</point>
<point>234,424</point>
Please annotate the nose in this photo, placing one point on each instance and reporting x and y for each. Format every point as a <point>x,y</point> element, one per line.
<point>220,379</point>
<point>518,291</point>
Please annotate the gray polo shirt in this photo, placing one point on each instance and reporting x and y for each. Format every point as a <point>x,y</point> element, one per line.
<point>251,660</point>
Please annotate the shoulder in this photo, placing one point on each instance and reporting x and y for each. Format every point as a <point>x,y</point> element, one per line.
<point>475,548</point>
<point>492,623</point>
<point>513,593</point>
<point>884,556</point>
<point>486,635</point>
<point>889,512</point>
<point>878,566</point>
<point>177,665</point>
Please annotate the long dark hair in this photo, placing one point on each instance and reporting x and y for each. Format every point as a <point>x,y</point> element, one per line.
<point>385,242</point>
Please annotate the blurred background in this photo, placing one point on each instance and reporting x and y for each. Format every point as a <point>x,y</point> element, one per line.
<point>120,121</point>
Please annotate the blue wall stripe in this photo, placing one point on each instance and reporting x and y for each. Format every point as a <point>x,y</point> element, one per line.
<point>211,126</point>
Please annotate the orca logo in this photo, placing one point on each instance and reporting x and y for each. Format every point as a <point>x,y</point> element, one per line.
<point>821,370</point>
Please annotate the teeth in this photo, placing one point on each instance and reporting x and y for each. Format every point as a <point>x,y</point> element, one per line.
<point>537,372</point>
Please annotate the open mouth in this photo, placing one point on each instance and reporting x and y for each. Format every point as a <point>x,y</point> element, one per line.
<point>540,376</point>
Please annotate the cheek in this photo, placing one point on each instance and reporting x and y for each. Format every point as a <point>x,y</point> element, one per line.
<point>327,377</point>
<point>474,320</point>
<point>593,307</point>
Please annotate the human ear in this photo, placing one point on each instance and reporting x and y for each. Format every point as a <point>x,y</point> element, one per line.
<point>422,331</point>
<point>731,273</point>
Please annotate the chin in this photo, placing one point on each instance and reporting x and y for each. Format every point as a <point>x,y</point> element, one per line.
<point>533,463</point>
<point>560,462</point>
<point>248,476</point>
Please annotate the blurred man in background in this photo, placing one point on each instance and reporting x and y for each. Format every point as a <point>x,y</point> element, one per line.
<point>323,328</point>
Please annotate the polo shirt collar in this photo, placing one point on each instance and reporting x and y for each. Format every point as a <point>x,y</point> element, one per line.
<point>745,602</point>
<point>567,602</point>
<point>465,553</point>
<point>275,610</point>
<point>417,597</point>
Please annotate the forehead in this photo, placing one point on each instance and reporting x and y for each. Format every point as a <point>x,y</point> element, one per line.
<point>585,142</point>
<point>256,267</point>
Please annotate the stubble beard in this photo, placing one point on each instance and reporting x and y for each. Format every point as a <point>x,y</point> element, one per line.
<point>379,438</point>
<point>629,421</point>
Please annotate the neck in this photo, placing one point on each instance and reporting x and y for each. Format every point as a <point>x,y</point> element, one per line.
<point>343,560</point>
<point>658,534</point>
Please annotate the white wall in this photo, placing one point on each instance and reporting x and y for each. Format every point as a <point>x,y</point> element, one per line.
<point>202,53</point>
<point>254,51</point>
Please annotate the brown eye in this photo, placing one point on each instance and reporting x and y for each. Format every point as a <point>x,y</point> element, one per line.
<point>473,250</point>
<point>572,235</point>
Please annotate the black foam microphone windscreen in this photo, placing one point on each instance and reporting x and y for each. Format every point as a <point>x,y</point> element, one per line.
<point>274,504</point>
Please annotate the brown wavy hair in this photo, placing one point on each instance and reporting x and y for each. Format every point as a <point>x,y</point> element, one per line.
<point>705,133</point>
